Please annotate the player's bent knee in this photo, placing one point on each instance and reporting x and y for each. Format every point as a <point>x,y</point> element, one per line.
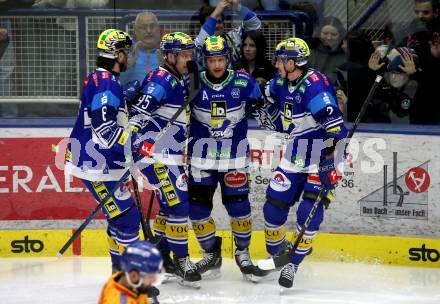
<point>198,212</point>
<point>237,205</point>
<point>275,213</point>
<point>201,195</point>
<point>303,212</point>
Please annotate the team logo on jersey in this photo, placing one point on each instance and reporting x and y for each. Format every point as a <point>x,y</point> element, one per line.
<point>235,93</point>
<point>280,182</point>
<point>182,182</point>
<point>302,89</point>
<point>235,179</point>
<point>217,87</point>
<point>280,81</point>
<point>298,98</point>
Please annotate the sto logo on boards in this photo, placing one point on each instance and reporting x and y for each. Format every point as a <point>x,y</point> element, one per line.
<point>26,245</point>
<point>424,254</point>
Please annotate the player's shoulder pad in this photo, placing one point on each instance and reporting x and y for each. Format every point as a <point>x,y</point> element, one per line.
<point>162,77</point>
<point>316,78</point>
<point>243,79</point>
<point>277,81</point>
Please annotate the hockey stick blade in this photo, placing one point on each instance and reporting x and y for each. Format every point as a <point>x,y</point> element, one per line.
<point>284,258</point>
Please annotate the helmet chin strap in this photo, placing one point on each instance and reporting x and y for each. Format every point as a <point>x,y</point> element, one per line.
<point>134,286</point>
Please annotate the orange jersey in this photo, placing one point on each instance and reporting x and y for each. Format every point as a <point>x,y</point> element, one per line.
<point>115,293</point>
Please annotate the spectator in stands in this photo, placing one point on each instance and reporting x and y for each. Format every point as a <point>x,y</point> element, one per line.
<point>415,35</point>
<point>426,106</point>
<point>212,21</point>
<point>353,76</point>
<point>253,57</point>
<point>327,54</point>
<point>146,55</point>
<point>397,92</point>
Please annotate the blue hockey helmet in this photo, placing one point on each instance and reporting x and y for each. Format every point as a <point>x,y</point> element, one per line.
<point>293,48</point>
<point>216,46</point>
<point>111,41</point>
<point>141,256</point>
<point>176,42</point>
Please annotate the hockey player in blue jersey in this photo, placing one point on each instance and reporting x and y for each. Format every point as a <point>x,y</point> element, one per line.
<point>218,153</point>
<point>95,151</point>
<point>302,103</point>
<point>162,93</point>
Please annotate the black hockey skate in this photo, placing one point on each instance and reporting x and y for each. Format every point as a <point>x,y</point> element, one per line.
<point>244,262</point>
<point>287,275</point>
<point>169,267</point>
<point>269,275</point>
<point>186,272</point>
<point>209,266</point>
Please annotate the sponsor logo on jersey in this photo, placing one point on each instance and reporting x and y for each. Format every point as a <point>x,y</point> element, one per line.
<point>235,93</point>
<point>150,76</point>
<point>240,83</point>
<point>161,73</point>
<point>182,182</point>
<point>123,193</point>
<point>313,179</point>
<point>314,77</point>
<point>218,113</point>
<point>95,79</point>
<point>287,117</point>
<point>86,81</point>
<point>235,179</point>
<point>280,182</point>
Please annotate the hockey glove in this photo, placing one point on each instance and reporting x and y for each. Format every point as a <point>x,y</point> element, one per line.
<point>130,90</point>
<point>329,174</point>
<point>141,146</point>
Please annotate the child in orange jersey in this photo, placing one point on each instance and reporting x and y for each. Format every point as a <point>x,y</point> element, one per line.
<point>141,262</point>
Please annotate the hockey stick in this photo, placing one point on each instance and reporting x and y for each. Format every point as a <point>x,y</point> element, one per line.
<point>93,214</point>
<point>194,90</point>
<point>145,221</point>
<point>284,258</point>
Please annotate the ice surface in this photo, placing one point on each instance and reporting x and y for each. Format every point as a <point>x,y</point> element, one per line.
<point>80,279</point>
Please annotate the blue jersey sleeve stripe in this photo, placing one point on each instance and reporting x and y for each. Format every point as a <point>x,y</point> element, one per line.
<point>106,98</point>
<point>333,123</point>
<point>321,101</point>
<point>155,90</point>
